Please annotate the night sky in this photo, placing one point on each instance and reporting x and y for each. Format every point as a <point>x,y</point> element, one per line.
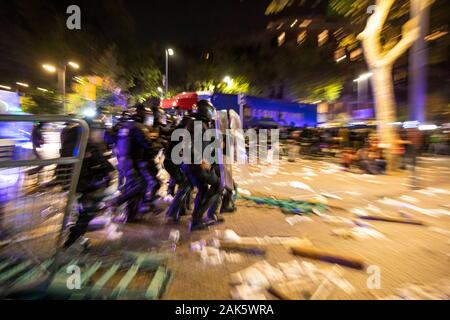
<point>32,31</point>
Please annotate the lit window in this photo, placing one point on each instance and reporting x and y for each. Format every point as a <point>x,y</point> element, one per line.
<point>305,23</point>
<point>301,37</point>
<point>322,38</point>
<point>281,39</point>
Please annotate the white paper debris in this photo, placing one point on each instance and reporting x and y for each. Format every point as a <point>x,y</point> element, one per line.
<point>300,185</point>
<point>297,219</point>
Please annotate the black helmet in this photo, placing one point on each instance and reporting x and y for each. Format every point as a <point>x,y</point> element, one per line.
<point>141,108</point>
<point>153,102</point>
<point>205,110</point>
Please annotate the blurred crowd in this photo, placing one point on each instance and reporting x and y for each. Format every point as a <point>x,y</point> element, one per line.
<point>360,148</point>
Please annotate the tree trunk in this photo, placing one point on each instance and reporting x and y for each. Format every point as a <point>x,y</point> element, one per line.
<point>383,90</point>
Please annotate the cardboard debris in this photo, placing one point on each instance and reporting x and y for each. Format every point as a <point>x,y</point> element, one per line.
<point>335,220</point>
<point>393,219</point>
<point>288,281</point>
<point>311,252</point>
<point>231,236</point>
<point>358,233</point>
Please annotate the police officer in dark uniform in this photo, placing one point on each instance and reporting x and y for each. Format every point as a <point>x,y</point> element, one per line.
<point>95,177</point>
<point>132,143</point>
<point>181,199</point>
<point>203,175</point>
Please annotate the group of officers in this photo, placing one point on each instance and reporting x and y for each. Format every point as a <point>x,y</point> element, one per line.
<point>137,142</point>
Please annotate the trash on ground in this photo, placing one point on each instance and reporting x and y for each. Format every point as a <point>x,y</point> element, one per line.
<point>233,237</point>
<point>288,206</point>
<point>288,281</point>
<point>309,251</point>
<point>332,196</point>
<point>300,185</point>
<point>215,256</point>
<point>393,219</point>
<point>409,199</point>
<point>358,233</point>
<point>297,219</point>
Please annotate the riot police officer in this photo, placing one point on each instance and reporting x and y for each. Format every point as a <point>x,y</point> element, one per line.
<point>95,177</point>
<point>132,143</point>
<point>203,175</point>
<point>182,197</point>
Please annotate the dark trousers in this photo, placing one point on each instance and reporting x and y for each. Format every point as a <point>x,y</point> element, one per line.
<point>209,191</point>
<point>87,212</point>
<point>149,172</point>
<point>183,194</point>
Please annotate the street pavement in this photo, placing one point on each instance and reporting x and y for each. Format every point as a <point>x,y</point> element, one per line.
<point>404,254</point>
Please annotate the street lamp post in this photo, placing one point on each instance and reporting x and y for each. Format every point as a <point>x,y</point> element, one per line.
<point>61,77</point>
<point>362,83</point>
<point>169,52</point>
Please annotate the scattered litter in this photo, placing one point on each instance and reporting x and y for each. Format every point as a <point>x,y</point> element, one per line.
<point>288,281</point>
<point>358,212</point>
<point>399,204</point>
<point>358,233</point>
<point>320,199</point>
<point>288,206</point>
<point>233,237</point>
<point>405,215</point>
<point>409,199</point>
<point>437,291</point>
<point>311,252</point>
<point>425,192</point>
<point>244,192</point>
<point>393,219</point>
<point>354,193</point>
<point>373,208</point>
<point>112,232</point>
<point>375,182</point>
<point>215,256</point>
<point>332,196</point>
<point>300,185</point>
<point>333,220</point>
<point>438,191</point>
<point>297,219</point>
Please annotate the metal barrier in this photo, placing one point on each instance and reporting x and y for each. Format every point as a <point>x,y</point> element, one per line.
<point>36,193</point>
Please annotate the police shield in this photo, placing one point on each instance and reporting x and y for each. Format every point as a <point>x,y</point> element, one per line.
<point>225,159</point>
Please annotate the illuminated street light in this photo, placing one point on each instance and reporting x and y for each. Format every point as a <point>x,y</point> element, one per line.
<point>169,52</point>
<point>229,81</point>
<point>61,76</point>
<point>42,89</point>
<point>74,65</point>
<point>22,84</point>
<point>363,77</point>
<point>5,87</point>
<point>362,86</point>
<point>317,102</point>
<point>341,58</point>
<point>49,68</point>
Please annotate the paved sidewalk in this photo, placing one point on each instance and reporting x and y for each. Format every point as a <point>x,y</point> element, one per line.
<point>407,254</point>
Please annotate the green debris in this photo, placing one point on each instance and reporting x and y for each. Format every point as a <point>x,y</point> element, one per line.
<point>288,206</point>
